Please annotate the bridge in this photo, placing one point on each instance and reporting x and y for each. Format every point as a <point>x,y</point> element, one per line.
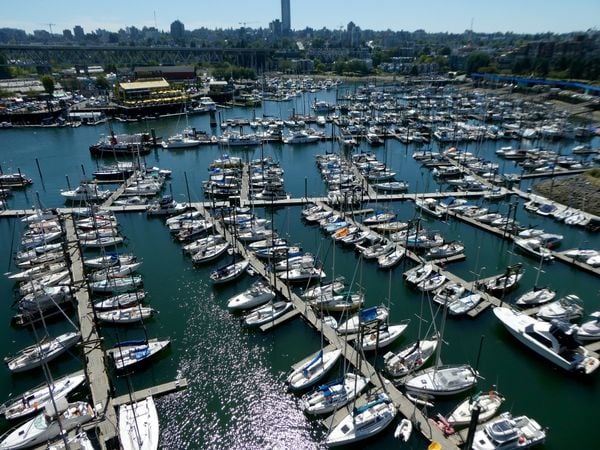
<point>47,55</point>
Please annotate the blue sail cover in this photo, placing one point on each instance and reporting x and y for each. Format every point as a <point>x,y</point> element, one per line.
<point>368,314</point>
<point>363,408</point>
<point>314,360</point>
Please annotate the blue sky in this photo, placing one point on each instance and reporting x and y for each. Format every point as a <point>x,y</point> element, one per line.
<point>431,15</point>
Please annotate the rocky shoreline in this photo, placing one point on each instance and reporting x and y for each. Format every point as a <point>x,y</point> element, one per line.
<point>578,191</point>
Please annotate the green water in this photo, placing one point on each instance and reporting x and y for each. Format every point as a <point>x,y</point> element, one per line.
<point>237,397</point>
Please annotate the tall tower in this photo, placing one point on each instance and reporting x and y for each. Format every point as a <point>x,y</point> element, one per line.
<point>285,16</point>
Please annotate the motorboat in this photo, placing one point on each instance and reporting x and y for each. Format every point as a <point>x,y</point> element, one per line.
<point>364,316</point>
<point>443,380</point>
<point>589,330</point>
<point>363,422</point>
<point>42,352</point>
<point>410,358</point>
<point>313,369</point>
<point>129,353</point>
<point>534,247</point>
<point>508,433</point>
<point>229,272</point>
<point>536,296</point>
<point>138,425</point>
<point>566,308</point>
<point>258,294</point>
<point>47,425</point>
<point>34,399</point>
<point>554,341</point>
<point>267,313</point>
<point>488,404</point>
<point>132,314</point>
<point>331,396</point>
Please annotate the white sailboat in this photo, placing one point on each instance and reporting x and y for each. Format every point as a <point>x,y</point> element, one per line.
<point>488,404</point>
<point>332,396</point>
<point>35,399</point>
<point>313,369</point>
<point>45,426</point>
<point>363,422</point>
<point>138,425</point>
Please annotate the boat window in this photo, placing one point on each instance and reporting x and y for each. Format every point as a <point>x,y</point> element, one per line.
<point>539,338</point>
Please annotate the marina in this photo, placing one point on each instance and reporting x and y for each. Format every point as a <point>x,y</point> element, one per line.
<point>488,252</point>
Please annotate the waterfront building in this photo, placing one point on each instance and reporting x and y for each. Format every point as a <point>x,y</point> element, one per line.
<point>177,30</point>
<point>286,22</point>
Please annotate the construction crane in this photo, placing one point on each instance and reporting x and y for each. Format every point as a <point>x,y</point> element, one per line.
<point>49,26</point>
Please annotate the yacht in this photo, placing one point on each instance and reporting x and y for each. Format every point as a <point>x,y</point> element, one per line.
<point>554,341</point>
<point>508,433</point>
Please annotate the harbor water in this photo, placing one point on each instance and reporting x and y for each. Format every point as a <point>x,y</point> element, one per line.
<point>237,397</point>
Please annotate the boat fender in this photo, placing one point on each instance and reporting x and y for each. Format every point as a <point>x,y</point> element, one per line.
<point>522,440</point>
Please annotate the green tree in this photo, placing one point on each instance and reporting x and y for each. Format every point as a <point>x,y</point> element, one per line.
<point>102,83</point>
<point>476,60</point>
<point>4,70</point>
<point>48,83</point>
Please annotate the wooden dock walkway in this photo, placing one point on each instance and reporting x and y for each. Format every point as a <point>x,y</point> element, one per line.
<point>94,356</point>
<point>154,391</point>
<point>405,406</point>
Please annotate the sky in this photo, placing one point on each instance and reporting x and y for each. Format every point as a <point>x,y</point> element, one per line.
<point>519,16</point>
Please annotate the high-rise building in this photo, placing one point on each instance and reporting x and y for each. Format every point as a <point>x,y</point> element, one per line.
<point>177,30</point>
<point>286,22</point>
<point>78,32</point>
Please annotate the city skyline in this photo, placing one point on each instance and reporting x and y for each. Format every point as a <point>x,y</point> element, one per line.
<point>533,16</point>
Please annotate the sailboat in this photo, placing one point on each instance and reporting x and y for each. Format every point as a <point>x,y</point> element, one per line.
<point>42,352</point>
<point>363,422</point>
<point>138,425</point>
<point>46,426</point>
<point>335,394</point>
<point>34,399</point>
<point>311,370</point>
<point>488,404</point>
<point>442,380</point>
